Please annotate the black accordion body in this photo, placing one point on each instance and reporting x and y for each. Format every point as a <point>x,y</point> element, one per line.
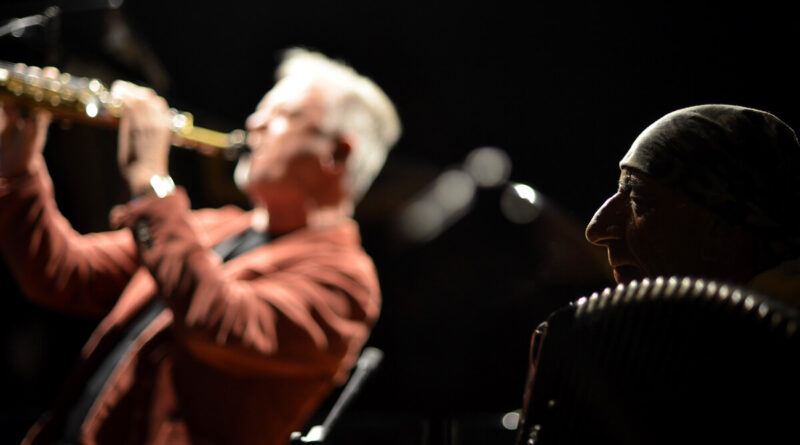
<point>665,361</point>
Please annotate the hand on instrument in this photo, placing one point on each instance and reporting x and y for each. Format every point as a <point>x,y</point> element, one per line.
<point>23,133</point>
<point>144,135</point>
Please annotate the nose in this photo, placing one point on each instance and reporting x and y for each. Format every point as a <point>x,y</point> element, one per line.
<point>256,125</point>
<point>608,222</point>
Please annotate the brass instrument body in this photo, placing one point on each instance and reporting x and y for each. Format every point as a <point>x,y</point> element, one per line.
<point>88,101</point>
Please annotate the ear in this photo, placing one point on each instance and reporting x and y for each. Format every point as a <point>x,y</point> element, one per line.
<point>726,241</point>
<point>341,149</point>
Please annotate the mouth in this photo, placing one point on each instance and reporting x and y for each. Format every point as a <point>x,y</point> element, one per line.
<point>627,273</point>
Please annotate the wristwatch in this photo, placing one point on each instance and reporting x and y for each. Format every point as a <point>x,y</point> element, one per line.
<point>162,185</point>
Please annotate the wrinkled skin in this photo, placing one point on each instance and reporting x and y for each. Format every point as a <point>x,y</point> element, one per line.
<point>650,230</point>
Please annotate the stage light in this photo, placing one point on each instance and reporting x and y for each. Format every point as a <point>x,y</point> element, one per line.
<point>520,203</point>
<point>510,420</point>
<point>488,166</point>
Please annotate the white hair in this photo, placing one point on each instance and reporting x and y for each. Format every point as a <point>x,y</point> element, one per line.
<point>358,108</point>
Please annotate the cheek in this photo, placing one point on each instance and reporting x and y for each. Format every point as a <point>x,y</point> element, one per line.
<point>306,170</point>
<point>648,241</point>
<point>666,244</point>
<point>272,156</point>
<point>639,244</point>
<point>260,165</point>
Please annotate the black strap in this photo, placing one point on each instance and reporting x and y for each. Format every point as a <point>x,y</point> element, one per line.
<point>227,250</point>
<point>98,379</point>
<point>240,244</point>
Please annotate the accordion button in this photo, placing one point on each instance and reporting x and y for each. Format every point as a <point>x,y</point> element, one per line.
<point>533,436</point>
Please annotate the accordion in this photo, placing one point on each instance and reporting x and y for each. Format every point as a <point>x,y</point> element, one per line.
<point>665,361</point>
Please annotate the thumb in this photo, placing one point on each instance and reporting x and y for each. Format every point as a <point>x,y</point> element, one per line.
<point>35,132</point>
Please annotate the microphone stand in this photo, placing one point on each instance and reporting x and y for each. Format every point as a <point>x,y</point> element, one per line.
<point>50,21</point>
<point>17,27</point>
<point>367,363</point>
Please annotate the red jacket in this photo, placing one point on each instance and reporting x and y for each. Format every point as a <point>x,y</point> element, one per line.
<point>247,349</point>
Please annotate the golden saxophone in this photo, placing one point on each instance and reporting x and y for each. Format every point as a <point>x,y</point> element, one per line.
<point>88,101</point>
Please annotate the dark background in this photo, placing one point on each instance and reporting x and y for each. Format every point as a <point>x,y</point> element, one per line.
<point>562,88</point>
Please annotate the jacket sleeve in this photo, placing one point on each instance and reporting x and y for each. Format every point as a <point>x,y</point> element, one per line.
<point>55,265</point>
<point>307,313</point>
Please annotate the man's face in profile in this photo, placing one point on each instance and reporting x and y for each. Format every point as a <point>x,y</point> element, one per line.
<point>650,230</point>
<point>290,146</point>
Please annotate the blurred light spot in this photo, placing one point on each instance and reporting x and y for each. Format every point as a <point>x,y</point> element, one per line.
<point>94,85</point>
<point>91,109</point>
<point>179,121</point>
<point>439,206</point>
<point>114,4</point>
<point>763,309</point>
<point>454,190</point>
<point>241,174</point>
<point>422,221</point>
<point>519,203</point>
<point>525,192</point>
<point>488,166</point>
<point>511,420</point>
<point>278,125</point>
<point>315,434</point>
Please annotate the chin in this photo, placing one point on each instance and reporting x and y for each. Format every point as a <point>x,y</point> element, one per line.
<point>626,274</point>
<point>241,174</point>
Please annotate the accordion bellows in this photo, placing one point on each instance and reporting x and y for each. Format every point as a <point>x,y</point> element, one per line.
<point>666,361</point>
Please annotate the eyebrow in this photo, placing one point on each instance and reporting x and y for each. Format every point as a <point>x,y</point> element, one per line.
<point>628,183</point>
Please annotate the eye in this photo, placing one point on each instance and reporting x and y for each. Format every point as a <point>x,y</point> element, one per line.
<point>316,130</point>
<point>639,203</point>
<point>297,113</point>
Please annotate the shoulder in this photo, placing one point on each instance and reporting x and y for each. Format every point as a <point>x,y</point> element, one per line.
<point>342,239</point>
<point>210,218</point>
<point>336,247</point>
<point>220,223</point>
<point>218,215</point>
<point>345,234</point>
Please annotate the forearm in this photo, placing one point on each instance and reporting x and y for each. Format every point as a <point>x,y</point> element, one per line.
<point>54,265</point>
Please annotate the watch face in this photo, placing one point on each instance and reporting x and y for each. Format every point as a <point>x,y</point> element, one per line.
<point>162,185</point>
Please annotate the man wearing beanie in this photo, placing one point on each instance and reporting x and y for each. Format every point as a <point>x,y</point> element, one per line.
<point>710,191</point>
